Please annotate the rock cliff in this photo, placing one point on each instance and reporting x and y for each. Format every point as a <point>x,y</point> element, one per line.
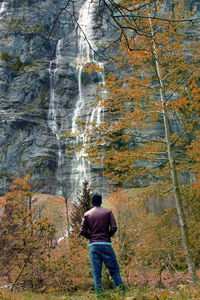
<point>29,35</point>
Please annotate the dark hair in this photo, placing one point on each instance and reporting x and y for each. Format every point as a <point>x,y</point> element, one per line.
<point>96,199</point>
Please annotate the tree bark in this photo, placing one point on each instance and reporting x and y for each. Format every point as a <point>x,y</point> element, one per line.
<point>174,175</point>
<point>67,215</point>
<point>20,273</point>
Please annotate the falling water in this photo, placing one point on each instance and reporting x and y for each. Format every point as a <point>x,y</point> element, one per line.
<point>2,7</point>
<point>53,114</point>
<point>81,168</point>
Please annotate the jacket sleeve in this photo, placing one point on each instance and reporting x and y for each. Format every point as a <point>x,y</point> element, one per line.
<point>84,230</point>
<point>113,225</point>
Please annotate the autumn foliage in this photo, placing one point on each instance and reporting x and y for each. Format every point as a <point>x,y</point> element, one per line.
<point>25,239</point>
<point>131,139</point>
<point>150,131</point>
<point>149,244</point>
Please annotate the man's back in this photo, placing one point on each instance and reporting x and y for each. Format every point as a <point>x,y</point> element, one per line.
<point>98,224</point>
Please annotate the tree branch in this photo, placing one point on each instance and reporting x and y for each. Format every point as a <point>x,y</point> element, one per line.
<point>160,19</point>
<point>58,16</point>
<point>20,273</point>
<point>183,131</point>
<point>180,83</point>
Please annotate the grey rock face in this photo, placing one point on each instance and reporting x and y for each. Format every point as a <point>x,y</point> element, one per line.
<point>27,144</point>
<point>28,39</point>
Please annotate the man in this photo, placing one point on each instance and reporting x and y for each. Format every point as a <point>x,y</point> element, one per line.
<point>99,225</point>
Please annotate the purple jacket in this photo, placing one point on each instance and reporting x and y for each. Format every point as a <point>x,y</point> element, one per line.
<point>98,225</point>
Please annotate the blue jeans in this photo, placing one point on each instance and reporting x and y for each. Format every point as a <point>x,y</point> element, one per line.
<point>104,253</point>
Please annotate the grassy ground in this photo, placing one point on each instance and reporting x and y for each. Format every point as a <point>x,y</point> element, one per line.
<point>181,292</point>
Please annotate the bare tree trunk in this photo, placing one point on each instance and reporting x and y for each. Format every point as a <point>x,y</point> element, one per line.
<point>175,181</point>
<point>20,273</point>
<point>67,215</point>
<point>63,187</point>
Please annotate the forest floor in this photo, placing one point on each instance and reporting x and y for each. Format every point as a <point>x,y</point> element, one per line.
<point>170,288</point>
<point>181,292</point>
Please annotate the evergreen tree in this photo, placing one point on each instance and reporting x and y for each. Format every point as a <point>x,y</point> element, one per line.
<point>84,203</point>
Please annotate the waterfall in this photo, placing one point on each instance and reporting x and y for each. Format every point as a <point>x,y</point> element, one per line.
<point>2,7</point>
<point>84,110</point>
<point>53,114</point>
<point>79,168</point>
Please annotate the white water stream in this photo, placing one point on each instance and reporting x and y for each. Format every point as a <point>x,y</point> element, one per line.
<point>2,7</point>
<point>81,168</point>
<point>53,114</point>
<point>84,110</point>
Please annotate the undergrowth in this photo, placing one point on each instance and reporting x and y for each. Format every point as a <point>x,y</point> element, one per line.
<point>181,292</point>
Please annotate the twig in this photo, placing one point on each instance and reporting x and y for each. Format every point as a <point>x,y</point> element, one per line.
<point>57,17</point>
<point>183,131</point>
<point>167,191</point>
<point>161,19</point>
<point>180,83</point>
<point>179,273</point>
